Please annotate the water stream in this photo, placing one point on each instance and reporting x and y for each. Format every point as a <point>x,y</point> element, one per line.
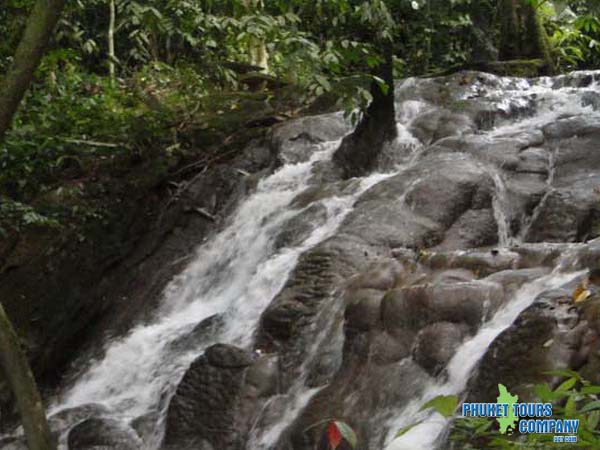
<point>431,425</point>
<point>237,274</point>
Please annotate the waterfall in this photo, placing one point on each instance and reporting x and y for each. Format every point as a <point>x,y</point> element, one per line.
<point>431,425</point>
<point>240,270</point>
<point>236,275</point>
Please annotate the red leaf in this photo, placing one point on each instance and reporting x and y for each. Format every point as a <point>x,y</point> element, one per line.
<point>334,436</point>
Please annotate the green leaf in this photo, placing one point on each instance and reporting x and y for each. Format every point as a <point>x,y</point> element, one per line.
<point>592,406</point>
<point>406,429</point>
<point>324,82</point>
<point>593,419</point>
<point>443,404</point>
<point>566,385</point>
<point>590,390</point>
<point>570,407</point>
<point>563,373</point>
<point>347,433</point>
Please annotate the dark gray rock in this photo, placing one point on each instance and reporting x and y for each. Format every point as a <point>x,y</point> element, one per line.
<point>105,434</point>
<point>297,139</point>
<point>568,127</point>
<point>437,124</point>
<point>363,312</point>
<point>13,444</point>
<point>436,344</point>
<point>63,420</point>
<point>413,308</point>
<point>217,398</point>
<point>512,280</point>
<point>547,335</point>
<point>534,160</point>
<point>475,228</point>
<point>481,262</point>
<point>299,228</point>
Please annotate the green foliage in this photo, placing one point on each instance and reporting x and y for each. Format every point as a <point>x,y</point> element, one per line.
<point>443,404</point>
<point>15,216</point>
<point>573,398</point>
<point>183,62</point>
<point>574,33</point>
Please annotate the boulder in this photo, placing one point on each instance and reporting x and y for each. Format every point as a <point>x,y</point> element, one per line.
<point>436,344</point>
<point>214,404</point>
<point>105,434</point>
<point>435,124</point>
<point>295,140</point>
<point>415,307</point>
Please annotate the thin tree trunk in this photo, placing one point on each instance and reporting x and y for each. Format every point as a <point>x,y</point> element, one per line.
<point>360,151</point>
<point>258,54</point>
<point>482,15</point>
<point>16,370</point>
<point>111,39</point>
<point>41,23</point>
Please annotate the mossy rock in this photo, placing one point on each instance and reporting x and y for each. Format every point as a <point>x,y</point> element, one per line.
<point>526,68</point>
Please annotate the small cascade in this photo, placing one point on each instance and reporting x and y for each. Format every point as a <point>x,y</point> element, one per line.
<point>529,221</point>
<point>500,207</point>
<point>425,435</point>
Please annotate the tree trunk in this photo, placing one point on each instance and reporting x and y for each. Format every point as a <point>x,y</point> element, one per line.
<point>482,14</point>
<point>41,23</point>
<point>522,33</point>
<point>257,48</point>
<point>359,152</point>
<point>111,39</point>
<point>16,370</point>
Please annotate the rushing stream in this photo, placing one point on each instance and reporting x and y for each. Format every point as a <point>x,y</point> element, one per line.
<point>237,274</point>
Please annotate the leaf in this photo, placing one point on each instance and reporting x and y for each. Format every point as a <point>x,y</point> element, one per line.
<point>323,82</point>
<point>592,406</point>
<point>567,384</point>
<point>443,404</point>
<point>593,420</point>
<point>590,390</point>
<point>405,429</point>
<point>563,373</point>
<point>581,292</point>
<point>334,437</point>
<point>570,407</point>
<point>347,433</point>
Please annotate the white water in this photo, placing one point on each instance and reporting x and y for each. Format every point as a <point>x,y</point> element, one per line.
<point>238,273</point>
<point>432,425</point>
<point>551,104</point>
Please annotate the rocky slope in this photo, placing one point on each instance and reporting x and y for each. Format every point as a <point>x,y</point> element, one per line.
<point>318,297</point>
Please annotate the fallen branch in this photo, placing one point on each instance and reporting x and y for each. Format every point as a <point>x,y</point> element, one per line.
<point>95,143</point>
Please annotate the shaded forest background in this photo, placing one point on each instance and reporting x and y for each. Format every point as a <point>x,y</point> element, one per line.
<point>123,80</point>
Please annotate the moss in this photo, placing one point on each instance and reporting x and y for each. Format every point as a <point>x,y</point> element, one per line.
<point>523,35</point>
<point>516,68</point>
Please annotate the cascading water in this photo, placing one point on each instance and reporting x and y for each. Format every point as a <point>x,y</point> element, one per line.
<point>238,273</point>
<point>425,435</point>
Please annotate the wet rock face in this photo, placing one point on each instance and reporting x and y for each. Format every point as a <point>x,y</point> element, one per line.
<point>552,333</point>
<point>439,219</point>
<point>214,403</point>
<point>436,344</point>
<point>375,312</point>
<point>296,140</point>
<point>106,434</point>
